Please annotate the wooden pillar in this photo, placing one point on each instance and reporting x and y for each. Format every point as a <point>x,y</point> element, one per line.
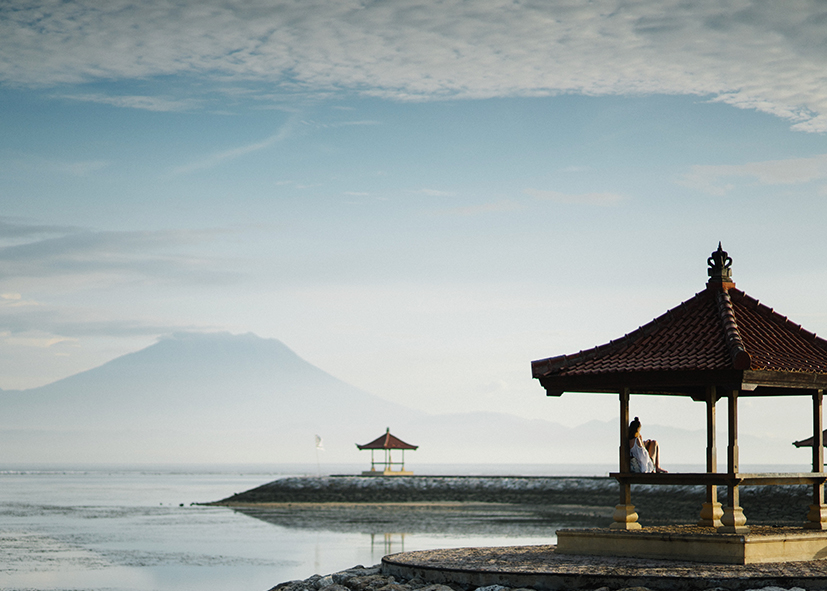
<point>733,519</point>
<point>711,510</point>
<point>624,457</point>
<point>817,516</point>
<point>624,516</point>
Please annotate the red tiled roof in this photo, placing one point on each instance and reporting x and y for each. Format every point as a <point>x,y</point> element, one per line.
<point>387,441</point>
<point>773,342</point>
<point>720,328</point>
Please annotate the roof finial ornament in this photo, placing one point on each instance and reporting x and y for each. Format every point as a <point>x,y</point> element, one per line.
<point>720,269</point>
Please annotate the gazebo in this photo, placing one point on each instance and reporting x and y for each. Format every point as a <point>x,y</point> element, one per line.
<point>387,442</point>
<point>719,343</point>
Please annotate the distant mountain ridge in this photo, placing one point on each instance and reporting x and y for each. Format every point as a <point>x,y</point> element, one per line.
<point>196,375</point>
<point>214,396</point>
<point>223,398</point>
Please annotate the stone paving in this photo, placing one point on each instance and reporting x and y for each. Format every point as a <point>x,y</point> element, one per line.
<point>539,567</point>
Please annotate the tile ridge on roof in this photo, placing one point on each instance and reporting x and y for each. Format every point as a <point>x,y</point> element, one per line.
<point>735,346</point>
<point>543,367</point>
<point>780,319</point>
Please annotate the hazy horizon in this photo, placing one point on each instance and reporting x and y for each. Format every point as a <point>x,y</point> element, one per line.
<point>225,398</point>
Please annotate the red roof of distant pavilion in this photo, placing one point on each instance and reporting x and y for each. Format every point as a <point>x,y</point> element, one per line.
<point>387,441</point>
<point>720,336</point>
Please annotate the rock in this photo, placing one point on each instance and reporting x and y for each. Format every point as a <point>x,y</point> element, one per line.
<point>291,586</point>
<point>367,582</point>
<point>435,587</point>
<point>395,587</point>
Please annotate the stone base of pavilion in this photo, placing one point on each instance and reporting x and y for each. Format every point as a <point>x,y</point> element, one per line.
<point>545,568</point>
<point>763,544</point>
<point>387,472</point>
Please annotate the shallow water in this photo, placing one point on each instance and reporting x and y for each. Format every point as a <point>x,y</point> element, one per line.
<point>127,529</point>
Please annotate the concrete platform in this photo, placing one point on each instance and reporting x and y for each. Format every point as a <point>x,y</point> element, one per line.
<point>698,544</point>
<point>543,568</point>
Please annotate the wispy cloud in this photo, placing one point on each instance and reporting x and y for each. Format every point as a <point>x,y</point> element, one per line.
<point>12,228</point>
<point>718,179</point>
<point>575,198</point>
<point>767,56</point>
<point>43,257</point>
<point>14,300</point>
<point>486,208</point>
<point>147,103</point>
<point>219,158</point>
<point>434,193</point>
<point>50,252</point>
<point>82,168</point>
<point>335,124</point>
<point>33,340</point>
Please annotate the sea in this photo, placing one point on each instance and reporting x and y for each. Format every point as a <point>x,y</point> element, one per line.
<point>142,528</point>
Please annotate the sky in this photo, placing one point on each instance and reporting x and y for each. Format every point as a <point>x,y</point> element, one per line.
<point>418,197</point>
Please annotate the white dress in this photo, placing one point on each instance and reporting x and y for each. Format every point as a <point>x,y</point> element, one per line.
<point>641,462</point>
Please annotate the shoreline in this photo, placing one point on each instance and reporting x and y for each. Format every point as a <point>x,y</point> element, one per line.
<point>550,497</point>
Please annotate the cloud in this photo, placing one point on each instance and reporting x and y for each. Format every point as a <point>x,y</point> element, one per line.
<point>14,300</point>
<point>766,56</point>
<point>218,158</point>
<point>82,168</point>
<point>53,259</point>
<point>44,325</point>
<point>148,103</point>
<point>434,193</point>
<point>575,198</point>
<point>39,341</point>
<point>52,324</point>
<point>51,251</point>
<point>335,124</point>
<point>716,179</point>
<point>15,231</point>
<point>485,208</point>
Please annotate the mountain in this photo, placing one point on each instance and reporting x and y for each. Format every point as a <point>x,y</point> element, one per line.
<point>191,397</point>
<point>218,397</point>
<point>222,398</point>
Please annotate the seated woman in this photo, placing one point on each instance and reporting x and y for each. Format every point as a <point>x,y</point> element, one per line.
<point>645,454</point>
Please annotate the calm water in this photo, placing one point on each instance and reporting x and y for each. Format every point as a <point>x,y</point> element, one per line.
<point>135,529</point>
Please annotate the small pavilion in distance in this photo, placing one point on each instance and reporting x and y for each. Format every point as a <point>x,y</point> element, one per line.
<point>387,443</point>
<point>721,343</point>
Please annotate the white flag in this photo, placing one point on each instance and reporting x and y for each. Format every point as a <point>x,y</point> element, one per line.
<point>319,445</point>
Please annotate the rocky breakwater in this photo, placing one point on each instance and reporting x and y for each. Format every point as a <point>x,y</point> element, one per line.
<point>569,501</point>
<point>360,578</point>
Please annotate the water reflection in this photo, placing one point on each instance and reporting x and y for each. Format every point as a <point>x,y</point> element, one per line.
<point>391,544</point>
